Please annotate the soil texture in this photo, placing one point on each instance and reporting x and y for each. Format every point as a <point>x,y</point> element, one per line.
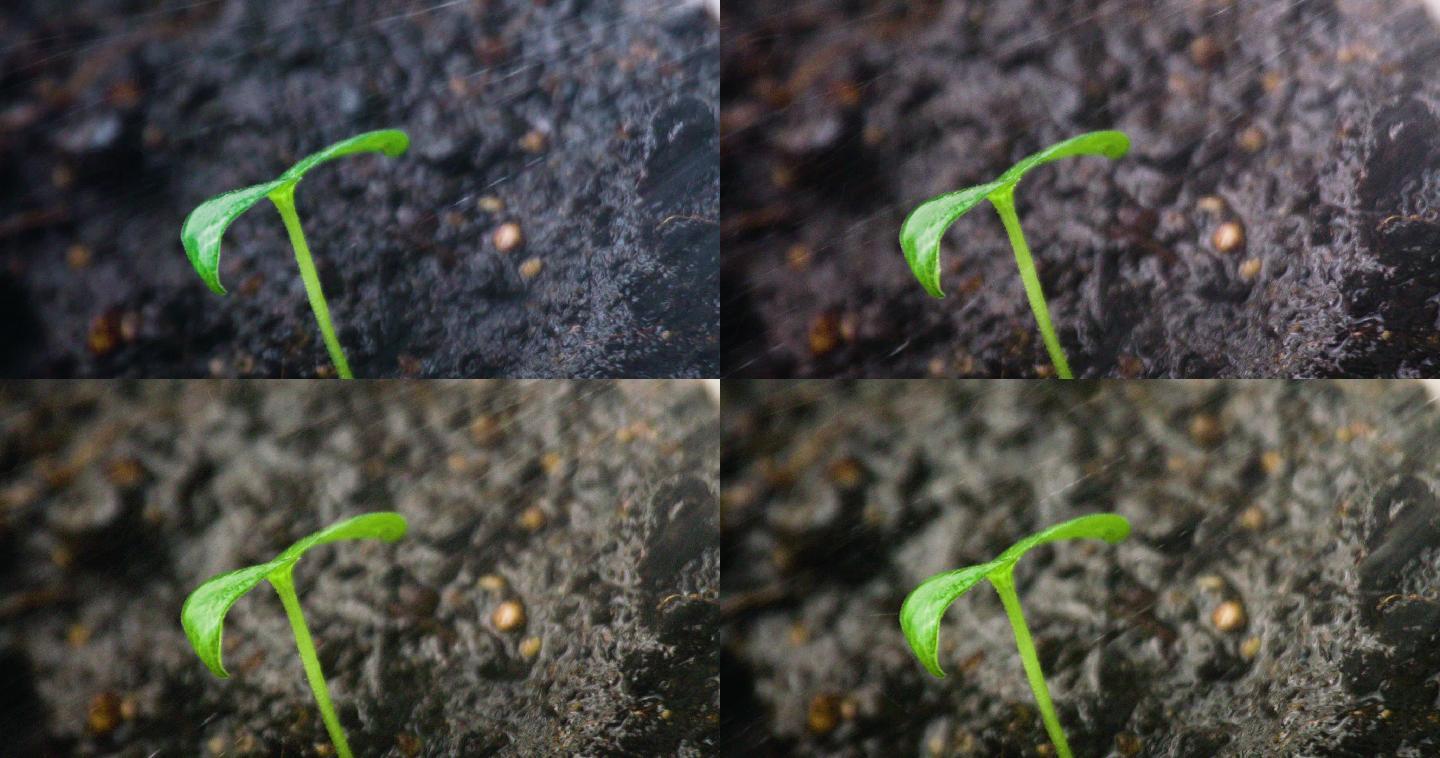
<point>590,126</point>
<point>1278,215</point>
<point>589,508</point>
<point>1279,594</point>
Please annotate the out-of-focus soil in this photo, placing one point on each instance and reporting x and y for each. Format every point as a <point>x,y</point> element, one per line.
<point>591,505</point>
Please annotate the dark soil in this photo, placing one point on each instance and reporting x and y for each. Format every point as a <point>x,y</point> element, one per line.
<point>593,505</point>
<point>1312,124</point>
<point>1313,506</point>
<point>592,125</point>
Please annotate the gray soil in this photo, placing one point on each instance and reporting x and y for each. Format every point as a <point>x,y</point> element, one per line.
<point>1311,507</point>
<point>590,125</point>
<point>590,504</point>
<point>1309,125</point>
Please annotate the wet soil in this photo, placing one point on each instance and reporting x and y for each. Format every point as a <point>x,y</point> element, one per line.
<point>589,504</point>
<point>590,125</point>
<point>1279,595</point>
<point>1311,126</point>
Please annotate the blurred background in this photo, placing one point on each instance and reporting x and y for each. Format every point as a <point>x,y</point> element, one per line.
<point>557,592</point>
<point>1277,596</point>
<point>556,216</point>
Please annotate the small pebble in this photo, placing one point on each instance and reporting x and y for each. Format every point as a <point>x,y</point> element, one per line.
<point>534,141</point>
<point>408,744</point>
<point>1228,237</point>
<point>1250,269</point>
<point>1228,616</point>
<point>491,204</point>
<point>78,256</point>
<point>798,257</point>
<point>508,616</point>
<point>104,714</point>
<point>1253,518</point>
<point>823,714</point>
<point>1205,51</point>
<point>1250,648</point>
<point>1252,140</point>
<point>1271,461</point>
<point>824,334</point>
<point>846,473</point>
<point>531,268</point>
<point>1212,204</point>
<point>492,583</point>
<point>529,648</point>
<point>507,237</point>
<point>1127,744</point>
<point>532,519</point>
<point>1205,429</point>
<point>484,430</point>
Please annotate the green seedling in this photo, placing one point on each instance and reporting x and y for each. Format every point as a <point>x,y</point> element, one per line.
<point>206,224</point>
<point>203,615</point>
<point>920,234</point>
<point>923,608</point>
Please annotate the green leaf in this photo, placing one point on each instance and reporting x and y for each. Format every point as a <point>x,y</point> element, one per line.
<point>923,229</point>
<point>203,615</point>
<point>920,234</point>
<point>205,226</point>
<point>1108,144</point>
<point>924,607</point>
<point>1098,526</point>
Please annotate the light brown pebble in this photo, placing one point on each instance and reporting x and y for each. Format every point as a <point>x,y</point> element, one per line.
<point>1250,648</point>
<point>508,616</point>
<point>1205,51</point>
<point>507,236</point>
<point>484,430</point>
<point>823,715</point>
<point>491,204</point>
<point>529,648</point>
<point>78,256</point>
<point>1213,204</point>
<point>534,141</point>
<point>1228,237</point>
<point>1205,429</point>
<point>1127,744</point>
<point>1270,461</point>
<point>77,635</point>
<point>104,713</point>
<point>532,519</point>
<point>824,334</point>
<point>531,268</point>
<point>1228,616</point>
<point>1253,518</point>
<point>1251,140</point>
<point>846,473</point>
<point>492,583</point>
<point>798,257</point>
<point>1250,269</point>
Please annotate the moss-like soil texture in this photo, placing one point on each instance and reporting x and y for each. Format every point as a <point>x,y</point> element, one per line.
<point>1279,596</point>
<point>591,126</point>
<point>1276,217</point>
<point>591,505</point>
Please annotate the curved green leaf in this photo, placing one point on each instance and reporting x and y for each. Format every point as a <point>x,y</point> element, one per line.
<point>205,226</point>
<point>920,234</point>
<point>203,615</point>
<point>1110,144</point>
<point>391,142</point>
<point>925,606</point>
<point>1097,526</point>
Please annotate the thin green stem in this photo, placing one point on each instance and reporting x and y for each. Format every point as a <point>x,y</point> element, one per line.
<point>285,586</point>
<point>284,200</point>
<point>1004,201</point>
<point>1004,583</point>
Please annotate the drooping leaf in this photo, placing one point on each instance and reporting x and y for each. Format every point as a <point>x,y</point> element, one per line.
<point>203,615</point>
<point>204,228</point>
<point>923,229</point>
<point>925,606</point>
<point>1109,144</point>
<point>920,234</point>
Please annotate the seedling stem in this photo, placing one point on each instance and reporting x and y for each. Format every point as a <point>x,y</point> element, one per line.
<point>925,606</point>
<point>284,200</point>
<point>1004,201</point>
<point>284,585</point>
